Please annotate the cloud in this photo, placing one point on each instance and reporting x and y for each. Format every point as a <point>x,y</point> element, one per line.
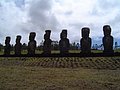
<point>40,14</point>
<point>20,3</point>
<point>23,16</point>
<point>41,18</point>
<point>94,14</point>
<point>35,16</point>
<point>10,17</point>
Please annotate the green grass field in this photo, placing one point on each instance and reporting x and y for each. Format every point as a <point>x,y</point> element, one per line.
<point>75,73</point>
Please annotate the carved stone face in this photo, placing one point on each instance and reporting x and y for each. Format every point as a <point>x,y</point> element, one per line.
<point>18,39</point>
<point>64,34</point>
<point>32,36</point>
<point>47,34</point>
<point>85,32</point>
<point>7,41</point>
<point>107,30</point>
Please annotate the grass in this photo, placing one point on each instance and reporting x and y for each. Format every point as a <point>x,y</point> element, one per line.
<point>22,77</point>
<point>36,78</point>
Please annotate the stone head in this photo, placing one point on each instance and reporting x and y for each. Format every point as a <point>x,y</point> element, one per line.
<point>7,41</point>
<point>85,32</point>
<point>63,34</point>
<point>32,36</point>
<point>18,38</point>
<point>47,34</point>
<point>107,30</point>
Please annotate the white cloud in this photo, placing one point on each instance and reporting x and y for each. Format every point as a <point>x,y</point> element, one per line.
<point>18,17</point>
<point>94,13</point>
<point>10,17</point>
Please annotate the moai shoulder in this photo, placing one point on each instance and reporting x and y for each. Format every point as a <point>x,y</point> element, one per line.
<point>85,41</point>
<point>107,40</point>
<point>32,44</point>
<point>18,45</point>
<point>7,47</point>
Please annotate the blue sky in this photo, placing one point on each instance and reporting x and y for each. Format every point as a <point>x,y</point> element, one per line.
<point>20,17</point>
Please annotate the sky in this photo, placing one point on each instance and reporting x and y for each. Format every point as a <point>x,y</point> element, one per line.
<point>20,17</point>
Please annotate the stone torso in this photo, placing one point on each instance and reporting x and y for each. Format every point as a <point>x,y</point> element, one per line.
<point>18,47</point>
<point>86,45</point>
<point>64,45</point>
<point>108,43</point>
<point>31,47</point>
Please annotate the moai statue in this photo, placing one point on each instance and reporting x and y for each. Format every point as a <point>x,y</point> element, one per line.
<point>85,41</point>
<point>64,43</point>
<point>47,42</point>
<point>32,44</point>
<point>107,40</point>
<point>18,45</point>
<point>7,46</point>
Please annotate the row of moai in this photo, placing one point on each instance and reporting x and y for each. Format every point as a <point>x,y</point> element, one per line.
<point>64,43</point>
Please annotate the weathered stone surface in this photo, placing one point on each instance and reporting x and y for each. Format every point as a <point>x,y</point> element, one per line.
<point>64,43</point>
<point>47,42</point>
<point>107,39</point>
<point>85,41</point>
<point>18,45</point>
<point>7,47</point>
<point>32,44</point>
